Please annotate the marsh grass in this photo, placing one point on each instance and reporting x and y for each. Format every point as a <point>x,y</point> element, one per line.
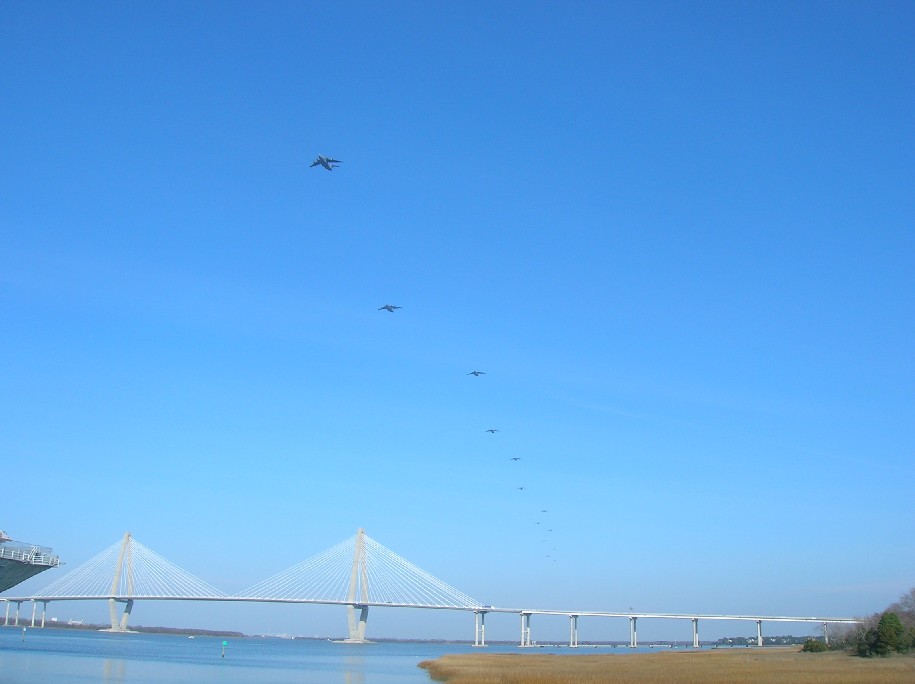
<point>731,666</point>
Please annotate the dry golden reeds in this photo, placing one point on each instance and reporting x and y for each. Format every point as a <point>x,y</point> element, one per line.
<point>724,666</point>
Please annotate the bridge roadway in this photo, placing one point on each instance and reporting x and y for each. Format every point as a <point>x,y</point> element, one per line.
<point>480,613</point>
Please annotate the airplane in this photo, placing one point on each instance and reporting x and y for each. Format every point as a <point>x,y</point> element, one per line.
<point>477,373</point>
<point>326,162</point>
<point>515,458</point>
<point>492,430</point>
<point>389,307</point>
<point>521,488</point>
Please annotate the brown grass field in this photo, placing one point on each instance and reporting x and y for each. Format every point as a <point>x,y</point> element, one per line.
<point>724,666</point>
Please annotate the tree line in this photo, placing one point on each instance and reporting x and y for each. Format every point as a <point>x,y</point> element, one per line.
<point>881,634</point>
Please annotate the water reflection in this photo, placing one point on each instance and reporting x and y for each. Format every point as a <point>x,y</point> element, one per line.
<point>353,670</point>
<point>114,671</point>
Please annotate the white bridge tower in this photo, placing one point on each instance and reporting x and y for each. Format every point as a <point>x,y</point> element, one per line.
<point>358,594</point>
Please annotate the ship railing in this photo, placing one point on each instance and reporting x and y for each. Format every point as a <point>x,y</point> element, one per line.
<point>33,555</point>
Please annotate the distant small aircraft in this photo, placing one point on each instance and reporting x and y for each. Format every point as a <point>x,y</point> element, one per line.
<point>477,373</point>
<point>326,162</point>
<point>521,488</point>
<point>544,511</point>
<point>515,458</point>
<point>492,430</point>
<point>389,307</point>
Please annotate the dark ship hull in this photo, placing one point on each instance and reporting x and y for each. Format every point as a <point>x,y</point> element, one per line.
<point>20,561</point>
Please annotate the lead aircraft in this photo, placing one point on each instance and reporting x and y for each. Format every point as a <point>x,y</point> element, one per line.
<point>326,162</point>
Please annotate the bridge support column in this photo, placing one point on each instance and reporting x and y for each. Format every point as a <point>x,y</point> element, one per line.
<point>695,632</point>
<point>573,631</point>
<point>113,613</point>
<point>479,628</point>
<point>34,608</point>
<point>16,618</point>
<point>633,634</point>
<point>525,630</point>
<point>127,608</point>
<point>119,625</point>
<point>759,641</point>
<point>44,611</point>
<point>6,622</point>
<point>357,627</point>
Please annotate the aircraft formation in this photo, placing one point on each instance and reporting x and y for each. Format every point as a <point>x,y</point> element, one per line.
<point>545,532</point>
<point>330,164</point>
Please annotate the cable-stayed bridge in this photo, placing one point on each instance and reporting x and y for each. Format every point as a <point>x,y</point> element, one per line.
<point>358,573</point>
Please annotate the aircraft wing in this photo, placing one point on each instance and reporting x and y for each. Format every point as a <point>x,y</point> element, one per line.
<point>334,161</point>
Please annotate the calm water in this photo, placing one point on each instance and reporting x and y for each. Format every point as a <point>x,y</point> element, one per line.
<point>46,656</point>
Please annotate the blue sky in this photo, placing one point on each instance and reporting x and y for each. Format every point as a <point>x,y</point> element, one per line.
<point>678,238</point>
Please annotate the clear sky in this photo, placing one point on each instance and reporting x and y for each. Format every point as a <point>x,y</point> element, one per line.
<point>677,237</point>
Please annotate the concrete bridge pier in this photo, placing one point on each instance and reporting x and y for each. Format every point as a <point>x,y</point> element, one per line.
<point>573,631</point>
<point>116,624</point>
<point>16,618</point>
<point>695,632</point>
<point>633,634</point>
<point>44,610</point>
<point>759,641</point>
<point>479,628</point>
<point>357,627</point>
<point>525,630</point>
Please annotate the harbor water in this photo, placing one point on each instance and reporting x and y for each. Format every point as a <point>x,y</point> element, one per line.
<point>67,656</point>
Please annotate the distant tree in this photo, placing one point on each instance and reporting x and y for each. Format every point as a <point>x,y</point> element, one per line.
<point>905,608</point>
<point>890,635</point>
<point>893,631</point>
<point>814,646</point>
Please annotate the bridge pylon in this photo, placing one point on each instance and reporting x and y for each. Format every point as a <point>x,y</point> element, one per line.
<point>357,594</point>
<point>125,558</point>
<point>124,573</point>
<point>359,573</point>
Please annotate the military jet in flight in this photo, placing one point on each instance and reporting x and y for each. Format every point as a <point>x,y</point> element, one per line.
<point>477,373</point>
<point>326,162</point>
<point>492,430</point>
<point>389,307</point>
